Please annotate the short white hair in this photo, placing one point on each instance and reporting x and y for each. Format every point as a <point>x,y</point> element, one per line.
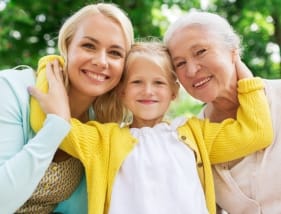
<point>210,21</point>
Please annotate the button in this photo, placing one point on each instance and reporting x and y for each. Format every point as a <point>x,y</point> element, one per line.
<point>200,164</point>
<point>183,137</point>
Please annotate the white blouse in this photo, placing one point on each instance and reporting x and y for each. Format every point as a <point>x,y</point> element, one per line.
<point>158,176</point>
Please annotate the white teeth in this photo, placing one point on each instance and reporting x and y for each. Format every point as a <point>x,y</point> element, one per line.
<point>202,82</point>
<point>96,76</point>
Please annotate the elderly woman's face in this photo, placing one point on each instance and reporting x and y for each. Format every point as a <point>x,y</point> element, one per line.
<point>204,64</point>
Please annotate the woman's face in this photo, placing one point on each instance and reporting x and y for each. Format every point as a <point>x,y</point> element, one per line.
<point>204,64</point>
<point>96,56</point>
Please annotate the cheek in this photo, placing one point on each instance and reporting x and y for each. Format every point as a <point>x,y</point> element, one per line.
<point>119,67</point>
<point>72,59</point>
<point>227,72</point>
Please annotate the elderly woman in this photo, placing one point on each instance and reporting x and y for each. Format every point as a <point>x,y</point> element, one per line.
<point>202,46</point>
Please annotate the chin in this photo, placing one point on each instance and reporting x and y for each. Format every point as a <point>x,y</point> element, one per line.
<point>206,99</point>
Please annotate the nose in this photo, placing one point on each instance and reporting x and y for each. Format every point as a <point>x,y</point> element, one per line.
<point>100,59</point>
<point>148,88</point>
<point>191,68</point>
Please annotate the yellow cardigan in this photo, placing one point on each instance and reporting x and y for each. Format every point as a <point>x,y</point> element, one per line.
<point>103,147</point>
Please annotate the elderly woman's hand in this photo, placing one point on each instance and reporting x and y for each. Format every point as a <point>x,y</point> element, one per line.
<point>241,69</point>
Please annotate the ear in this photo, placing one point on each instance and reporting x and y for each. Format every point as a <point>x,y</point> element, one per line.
<point>175,94</point>
<point>121,92</point>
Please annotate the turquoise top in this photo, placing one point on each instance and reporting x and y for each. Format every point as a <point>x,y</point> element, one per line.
<point>24,156</point>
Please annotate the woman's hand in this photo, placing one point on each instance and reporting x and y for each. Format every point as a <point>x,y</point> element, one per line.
<point>56,100</point>
<point>241,69</point>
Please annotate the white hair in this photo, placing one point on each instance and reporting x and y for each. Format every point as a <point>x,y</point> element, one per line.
<point>211,22</point>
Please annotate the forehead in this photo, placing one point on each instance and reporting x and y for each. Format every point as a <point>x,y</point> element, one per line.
<point>143,65</point>
<point>191,36</point>
<point>102,29</point>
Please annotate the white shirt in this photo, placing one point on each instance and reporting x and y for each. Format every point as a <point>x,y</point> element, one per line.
<point>159,176</point>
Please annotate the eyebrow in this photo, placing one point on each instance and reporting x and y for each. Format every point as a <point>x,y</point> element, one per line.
<point>96,41</point>
<point>190,48</point>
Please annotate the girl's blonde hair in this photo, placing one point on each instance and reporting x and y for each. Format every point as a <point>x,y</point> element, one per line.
<point>105,109</point>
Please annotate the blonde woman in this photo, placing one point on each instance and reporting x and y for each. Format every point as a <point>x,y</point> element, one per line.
<point>35,176</point>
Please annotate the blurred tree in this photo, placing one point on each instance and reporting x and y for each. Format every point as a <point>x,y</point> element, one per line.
<point>259,25</point>
<point>29,29</point>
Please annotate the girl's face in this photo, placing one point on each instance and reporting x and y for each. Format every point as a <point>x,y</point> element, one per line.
<point>147,92</point>
<point>203,63</point>
<point>96,56</point>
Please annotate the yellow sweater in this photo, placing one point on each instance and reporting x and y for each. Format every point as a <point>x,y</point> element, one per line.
<point>103,147</point>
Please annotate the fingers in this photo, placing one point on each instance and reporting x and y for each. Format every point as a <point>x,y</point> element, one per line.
<point>54,75</point>
<point>36,93</point>
<point>242,70</point>
<point>57,70</point>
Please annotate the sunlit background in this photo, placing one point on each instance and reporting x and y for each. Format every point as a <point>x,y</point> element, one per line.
<point>28,30</point>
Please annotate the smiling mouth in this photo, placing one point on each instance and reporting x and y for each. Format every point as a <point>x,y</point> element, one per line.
<point>202,82</point>
<point>95,76</point>
<point>147,101</point>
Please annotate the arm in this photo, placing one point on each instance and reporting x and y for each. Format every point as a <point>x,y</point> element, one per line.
<point>23,160</point>
<point>82,138</point>
<point>252,130</point>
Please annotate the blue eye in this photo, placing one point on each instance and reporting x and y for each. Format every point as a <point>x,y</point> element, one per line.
<point>88,46</point>
<point>116,53</point>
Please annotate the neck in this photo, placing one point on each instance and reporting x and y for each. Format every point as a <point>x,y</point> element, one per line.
<point>145,123</point>
<point>222,108</point>
<point>79,106</point>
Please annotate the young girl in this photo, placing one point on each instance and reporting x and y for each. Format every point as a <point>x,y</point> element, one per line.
<point>152,166</point>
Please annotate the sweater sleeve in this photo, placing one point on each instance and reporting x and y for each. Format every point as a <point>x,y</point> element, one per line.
<point>86,139</point>
<point>252,131</point>
<point>23,159</point>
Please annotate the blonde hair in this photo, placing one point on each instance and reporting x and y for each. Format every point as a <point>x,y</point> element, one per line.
<point>211,22</point>
<point>105,109</point>
<point>153,50</point>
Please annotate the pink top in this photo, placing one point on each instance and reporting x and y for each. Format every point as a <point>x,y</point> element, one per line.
<point>254,184</point>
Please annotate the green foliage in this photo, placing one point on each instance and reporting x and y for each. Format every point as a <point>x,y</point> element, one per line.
<point>29,29</point>
<point>184,105</point>
<point>258,24</point>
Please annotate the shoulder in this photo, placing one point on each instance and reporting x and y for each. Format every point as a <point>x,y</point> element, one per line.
<point>179,121</point>
<point>13,85</point>
<point>272,89</point>
<point>24,76</point>
<point>272,84</point>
